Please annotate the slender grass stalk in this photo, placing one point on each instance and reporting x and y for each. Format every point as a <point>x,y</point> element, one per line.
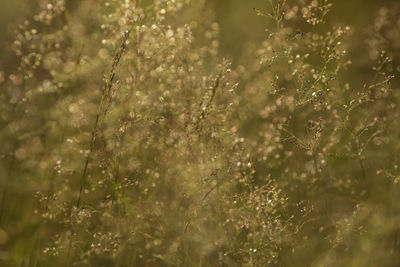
<point>101,113</point>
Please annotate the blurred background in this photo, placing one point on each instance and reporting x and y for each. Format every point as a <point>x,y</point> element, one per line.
<point>237,19</point>
<point>239,23</point>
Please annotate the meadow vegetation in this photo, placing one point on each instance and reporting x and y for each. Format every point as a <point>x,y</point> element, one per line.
<point>128,140</point>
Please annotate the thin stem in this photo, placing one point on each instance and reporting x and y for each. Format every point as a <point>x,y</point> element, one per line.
<point>102,110</point>
<point>104,103</point>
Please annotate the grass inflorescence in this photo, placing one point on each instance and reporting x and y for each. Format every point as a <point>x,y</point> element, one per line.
<point>128,140</point>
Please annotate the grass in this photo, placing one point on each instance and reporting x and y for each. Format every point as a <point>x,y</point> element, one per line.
<point>129,141</point>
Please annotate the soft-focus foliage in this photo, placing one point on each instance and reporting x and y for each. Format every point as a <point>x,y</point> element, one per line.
<point>128,140</point>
